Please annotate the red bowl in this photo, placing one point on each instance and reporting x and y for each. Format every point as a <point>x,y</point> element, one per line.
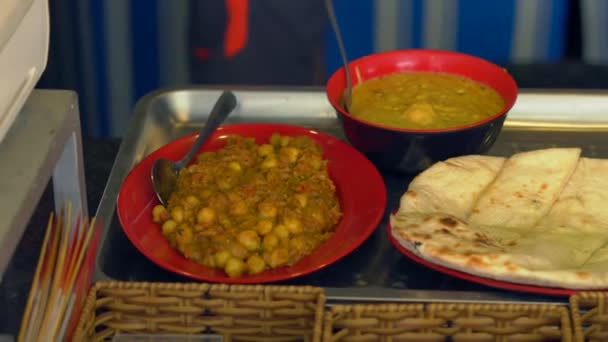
<point>412,150</point>
<point>362,203</point>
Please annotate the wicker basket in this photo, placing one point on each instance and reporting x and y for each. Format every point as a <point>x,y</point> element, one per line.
<point>237,312</point>
<point>590,316</point>
<point>440,322</point>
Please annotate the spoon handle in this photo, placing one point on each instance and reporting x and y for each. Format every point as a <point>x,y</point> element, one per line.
<point>336,28</point>
<point>224,105</point>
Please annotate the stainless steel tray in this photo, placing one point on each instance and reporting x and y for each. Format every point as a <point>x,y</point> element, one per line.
<point>375,271</point>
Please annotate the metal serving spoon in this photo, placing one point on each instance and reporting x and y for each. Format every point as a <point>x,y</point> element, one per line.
<point>334,24</point>
<point>164,172</point>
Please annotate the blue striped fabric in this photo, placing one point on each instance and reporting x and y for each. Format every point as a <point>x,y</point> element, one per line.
<point>500,30</point>
<point>100,124</point>
<point>145,45</point>
<point>121,48</point>
<point>132,47</point>
<point>595,26</point>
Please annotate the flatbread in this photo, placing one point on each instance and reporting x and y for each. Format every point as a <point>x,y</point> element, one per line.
<point>555,260</point>
<point>525,188</point>
<point>451,186</point>
<point>582,203</point>
<point>563,242</point>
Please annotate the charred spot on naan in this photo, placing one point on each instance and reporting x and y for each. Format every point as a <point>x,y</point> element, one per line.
<point>583,275</point>
<point>511,267</point>
<point>421,236</point>
<point>477,261</point>
<point>448,222</point>
<point>445,251</point>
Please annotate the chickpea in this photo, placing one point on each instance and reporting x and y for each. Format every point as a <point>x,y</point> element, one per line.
<point>234,197</point>
<point>234,267</point>
<point>289,154</point>
<point>177,214</point>
<point>206,194</point>
<point>239,208</point>
<point>285,140</point>
<point>264,227</point>
<point>238,250</point>
<point>299,244</point>
<point>159,214</point>
<point>255,264</point>
<point>315,162</point>
<point>268,210</point>
<point>265,150</point>
<point>224,183</point>
<point>250,239</point>
<point>192,202</point>
<point>281,231</point>
<point>275,139</point>
<point>302,199</point>
<point>206,216</point>
<point>293,225</point>
<point>184,236</point>
<point>269,163</point>
<point>278,257</point>
<point>318,216</point>
<point>234,166</point>
<point>193,168</point>
<point>225,221</point>
<point>193,253</point>
<point>169,227</point>
<point>209,261</point>
<point>221,258</point>
<point>270,242</point>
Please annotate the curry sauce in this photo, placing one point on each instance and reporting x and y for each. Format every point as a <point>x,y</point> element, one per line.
<point>424,100</point>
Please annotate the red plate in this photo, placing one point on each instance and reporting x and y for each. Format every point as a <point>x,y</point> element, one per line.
<point>553,291</point>
<point>360,189</point>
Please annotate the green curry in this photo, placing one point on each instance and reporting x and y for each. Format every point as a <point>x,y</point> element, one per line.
<point>424,100</point>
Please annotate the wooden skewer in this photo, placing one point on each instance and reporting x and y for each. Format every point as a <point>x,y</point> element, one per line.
<point>57,276</point>
<point>77,243</point>
<point>72,275</point>
<point>59,266</point>
<point>49,263</point>
<point>34,290</point>
<point>72,241</point>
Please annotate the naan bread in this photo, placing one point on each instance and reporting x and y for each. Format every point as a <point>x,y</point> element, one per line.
<point>583,202</point>
<point>451,186</point>
<point>556,259</point>
<point>525,188</point>
<point>562,241</point>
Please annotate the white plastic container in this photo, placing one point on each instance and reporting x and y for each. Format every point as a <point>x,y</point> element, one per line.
<point>24,45</point>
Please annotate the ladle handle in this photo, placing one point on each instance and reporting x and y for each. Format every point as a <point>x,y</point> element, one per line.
<point>223,106</point>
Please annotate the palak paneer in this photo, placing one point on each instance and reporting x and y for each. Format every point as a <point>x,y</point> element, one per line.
<point>246,207</point>
<point>424,100</point>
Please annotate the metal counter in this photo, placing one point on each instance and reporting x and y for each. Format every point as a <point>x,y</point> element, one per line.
<point>375,271</point>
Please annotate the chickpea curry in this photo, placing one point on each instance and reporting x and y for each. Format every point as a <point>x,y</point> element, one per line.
<point>246,208</point>
<point>424,100</point>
